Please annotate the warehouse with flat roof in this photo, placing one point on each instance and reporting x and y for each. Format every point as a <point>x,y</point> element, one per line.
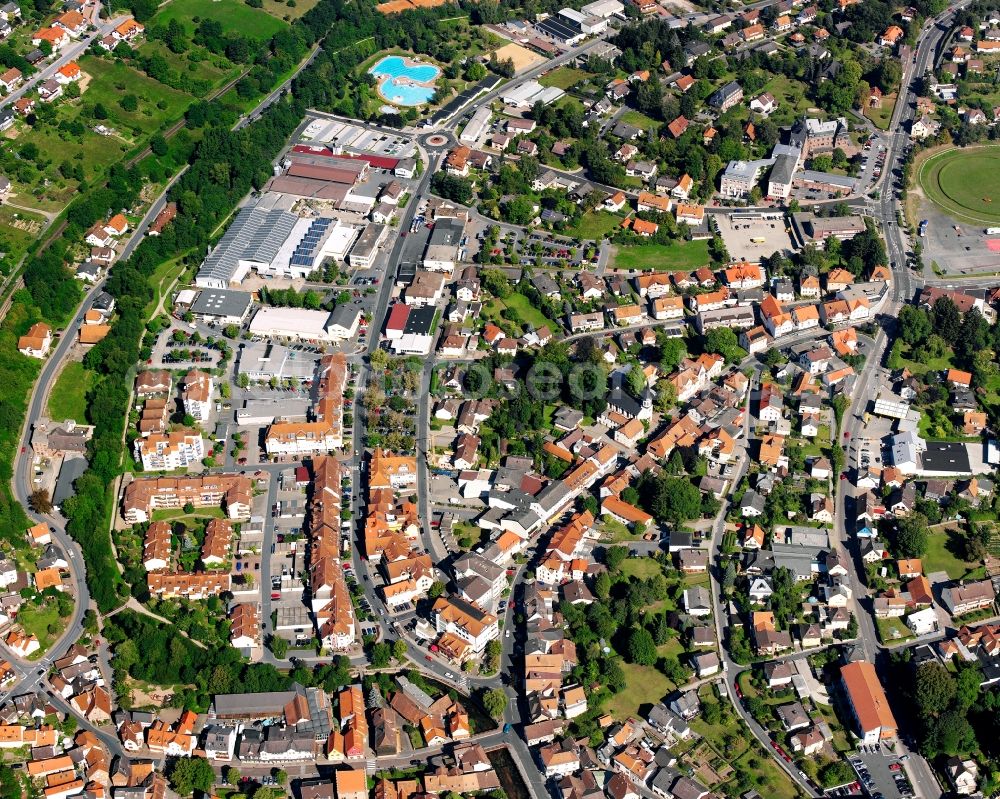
<point>292,323</point>
<point>264,360</point>
<point>222,306</point>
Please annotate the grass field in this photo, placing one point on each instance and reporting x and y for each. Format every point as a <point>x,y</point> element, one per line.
<point>964,183</point>
<point>677,256</point>
<point>892,631</point>
<point>563,77</point>
<point>37,619</point>
<point>163,278</point>
<point>281,9</point>
<point>68,399</point>
<point>638,119</point>
<point>178,514</point>
<point>528,312</point>
<point>789,94</point>
<point>644,687</point>
<point>643,568</point>
<point>233,15</point>
<point>18,229</point>
<point>594,225</point>
<point>882,116</point>
<point>157,103</point>
<point>940,558</point>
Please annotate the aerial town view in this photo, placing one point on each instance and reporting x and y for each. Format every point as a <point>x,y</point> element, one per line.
<point>427,399</point>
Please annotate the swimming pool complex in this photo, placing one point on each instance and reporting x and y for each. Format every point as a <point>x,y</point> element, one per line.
<point>405,82</point>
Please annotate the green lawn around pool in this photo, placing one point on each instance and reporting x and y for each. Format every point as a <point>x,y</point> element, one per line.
<point>68,398</point>
<point>677,256</point>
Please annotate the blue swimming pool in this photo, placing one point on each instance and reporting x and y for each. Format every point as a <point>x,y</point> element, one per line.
<point>405,83</point>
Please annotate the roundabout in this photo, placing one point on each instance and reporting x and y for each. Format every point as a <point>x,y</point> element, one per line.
<point>964,183</point>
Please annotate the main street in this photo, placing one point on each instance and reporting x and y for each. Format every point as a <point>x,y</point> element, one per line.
<point>889,199</point>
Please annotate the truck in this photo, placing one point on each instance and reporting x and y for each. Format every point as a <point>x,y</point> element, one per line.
<point>992,231</point>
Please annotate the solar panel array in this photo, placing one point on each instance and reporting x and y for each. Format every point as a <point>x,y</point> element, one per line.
<point>256,235</point>
<point>305,250</point>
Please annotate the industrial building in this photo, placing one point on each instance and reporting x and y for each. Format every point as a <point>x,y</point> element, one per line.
<point>219,306</point>
<point>264,361</point>
<point>562,30</point>
<point>362,254</point>
<point>305,325</point>
<point>442,245</point>
<point>477,125</point>
<point>525,95</point>
<point>252,241</point>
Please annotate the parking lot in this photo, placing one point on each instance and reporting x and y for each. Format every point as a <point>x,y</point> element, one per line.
<point>748,238</point>
<point>881,773</point>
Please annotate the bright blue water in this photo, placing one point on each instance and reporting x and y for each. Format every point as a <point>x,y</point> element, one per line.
<point>400,80</point>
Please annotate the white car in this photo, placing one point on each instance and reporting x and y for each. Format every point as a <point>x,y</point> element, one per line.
<point>506,634</point>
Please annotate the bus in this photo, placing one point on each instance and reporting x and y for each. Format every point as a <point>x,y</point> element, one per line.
<point>758,240</point>
<point>992,231</point>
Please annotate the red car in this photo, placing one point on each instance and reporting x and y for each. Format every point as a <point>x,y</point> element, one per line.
<point>427,658</point>
<point>736,686</point>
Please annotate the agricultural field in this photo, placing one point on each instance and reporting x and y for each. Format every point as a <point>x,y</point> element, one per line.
<point>18,229</point>
<point>964,183</point>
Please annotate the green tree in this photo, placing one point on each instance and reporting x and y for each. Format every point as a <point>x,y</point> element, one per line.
<point>934,689</point>
<point>968,685</point>
<point>495,702</point>
<point>380,655</point>
<point>436,589</point>
<point>399,649</point>
<point>190,774</point>
<point>496,283</point>
<point>278,646</point>
<point>835,773</point>
<point>911,537</point>
<point>641,647</point>
<point>723,341</point>
<point>614,557</point>
<point>602,586</point>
